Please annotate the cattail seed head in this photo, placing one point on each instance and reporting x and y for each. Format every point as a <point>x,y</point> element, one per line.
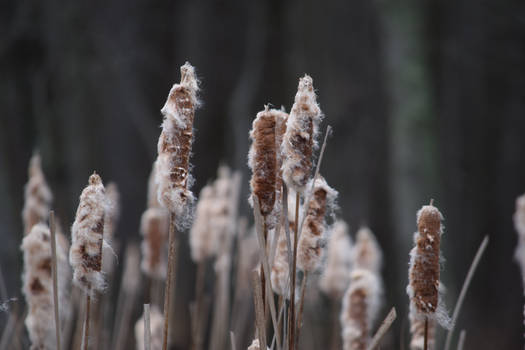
<point>154,229</point>
<point>424,262</point>
<point>174,146</point>
<point>38,286</point>
<point>156,320</point>
<point>311,241</point>
<point>85,255</point>
<point>300,137</point>
<point>37,196</point>
<point>367,253</point>
<point>202,242</point>
<point>361,303</point>
<point>280,268</point>
<point>336,275</point>
<point>262,160</point>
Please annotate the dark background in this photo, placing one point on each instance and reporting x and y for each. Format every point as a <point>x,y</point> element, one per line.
<point>426,99</point>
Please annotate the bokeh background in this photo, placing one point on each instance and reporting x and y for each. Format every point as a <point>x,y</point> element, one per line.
<point>426,100</point>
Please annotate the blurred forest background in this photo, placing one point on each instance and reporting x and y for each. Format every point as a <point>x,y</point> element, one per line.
<point>426,100</point>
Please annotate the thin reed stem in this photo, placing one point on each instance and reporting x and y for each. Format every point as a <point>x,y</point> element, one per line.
<point>85,338</point>
<point>464,289</point>
<point>55,275</point>
<point>425,344</point>
<point>385,326</point>
<point>198,314</point>
<point>147,327</point>
<point>232,340</point>
<point>9,328</point>
<point>259,309</point>
<point>291,339</point>
<point>172,259</point>
<point>461,342</point>
<point>301,305</point>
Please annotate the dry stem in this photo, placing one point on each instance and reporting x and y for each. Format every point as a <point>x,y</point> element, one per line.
<point>86,320</point>
<point>259,309</point>
<point>147,328</point>
<point>55,277</point>
<point>385,325</point>
<point>425,344</point>
<point>291,339</point>
<point>172,259</point>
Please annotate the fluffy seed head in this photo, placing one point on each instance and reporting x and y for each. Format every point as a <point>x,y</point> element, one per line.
<point>367,253</point>
<point>361,303</point>
<point>202,242</point>
<point>154,229</point>
<point>174,146</point>
<point>336,275</point>
<point>156,320</point>
<point>37,196</point>
<point>300,137</point>
<point>87,234</point>
<point>312,238</point>
<point>262,160</point>
<point>423,289</point>
<point>280,271</point>
<point>38,285</point>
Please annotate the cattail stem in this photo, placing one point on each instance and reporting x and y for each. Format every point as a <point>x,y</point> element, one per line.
<point>461,341</point>
<point>147,327</point>
<point>86,320</point>
<point>172,259</point>
<point>301,304</point>
<point>55,275</point>
<point>199,294</point>
<point>291,339</point>
<point>425,344</point>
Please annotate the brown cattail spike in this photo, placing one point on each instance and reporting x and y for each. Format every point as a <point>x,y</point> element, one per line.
<point>87,234</point>
<point>37,197</point>
<point>312,238</point>
<point>174,146</point>
<point>367,253</point>
<point>336,275</point>
<point>262,160</point>
<point>154,229</point>
<point>300,137</point>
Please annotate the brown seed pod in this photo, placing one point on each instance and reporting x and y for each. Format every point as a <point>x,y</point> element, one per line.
<point>37,196</point>
<point>174,146</point>
<point>85,255</point>
<point>312,238</point>
<point>360,306</point>
<point>154,229</point>
<point>262,160</point>
<point>300,137</point>
<point>423,289</point>
<point>367,253</point>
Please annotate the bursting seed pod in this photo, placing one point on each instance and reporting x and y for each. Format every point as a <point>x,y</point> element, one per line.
<point>262,160</point>
<point>300,137</point>
<point>423,288</point>
<point>312,238</point>
<point>336,274</point>
<point>87,235</point>
<point>37,196</point>
<point>174,146</point>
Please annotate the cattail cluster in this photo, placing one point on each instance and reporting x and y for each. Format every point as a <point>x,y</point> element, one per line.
<point>300,136</point>
<point>154,229</point>
<point>37,197</point>
<point>174,146</point>
<point>336,275</point>
<point>362,299</point>
<point>423,275</point>
<point>312,237</point>
<point>519,224</point>
<point>85,255</point>
<point>38,286</point>
<point>156,324</point>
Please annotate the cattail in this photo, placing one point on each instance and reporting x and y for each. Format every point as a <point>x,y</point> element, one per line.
<point>300,137</point>
<point>262,160</point>
<point>336,275</point>
<point>37,197</point>
<point>281,117</point>
<point>202,243</point>
<point>154,229</point>
<point>417,330</point>
<point>38,286</point>
<point>174,146</point>
<point>280,268</point>
<point>360,305</point>
<point>87,233</point>
<point>367,253</point>
<point>312,238</point>
<point>110,223</point>
<point>519,224</point>
<point>156,323</point>
<point>423,289</point>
